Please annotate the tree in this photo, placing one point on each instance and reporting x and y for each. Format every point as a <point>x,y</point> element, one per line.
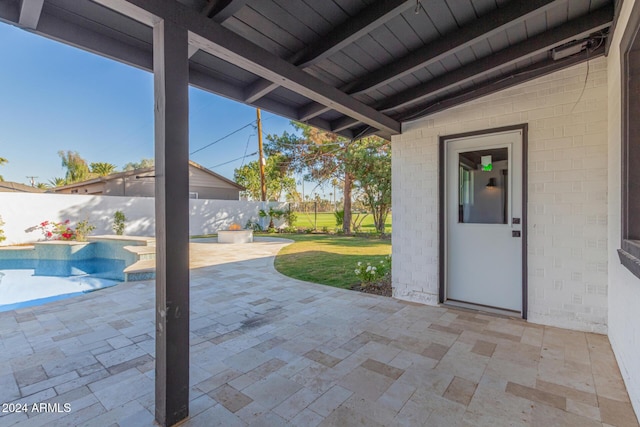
<point>142,164</point>
<point>319,156</point>
<point>278,178</point>
<point>57,182</point>
<point>77,168</point>
<point>325,157</point>
<point>102,168</point>
<point>42,185</point>
<point>2,162</point>
<point>372,171</point>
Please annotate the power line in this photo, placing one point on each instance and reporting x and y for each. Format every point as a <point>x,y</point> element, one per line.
<point>234,160</point>
<point>246,148</point>
<point>224,137</point>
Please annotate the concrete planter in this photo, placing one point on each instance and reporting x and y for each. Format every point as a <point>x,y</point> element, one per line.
<point>235,236</point>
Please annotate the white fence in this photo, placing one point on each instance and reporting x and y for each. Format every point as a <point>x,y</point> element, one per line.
<point>21,211</point>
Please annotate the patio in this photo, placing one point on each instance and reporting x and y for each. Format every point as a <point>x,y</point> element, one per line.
<point>269,350</point>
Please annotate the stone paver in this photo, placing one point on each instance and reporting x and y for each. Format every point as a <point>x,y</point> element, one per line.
<point>269,350</point>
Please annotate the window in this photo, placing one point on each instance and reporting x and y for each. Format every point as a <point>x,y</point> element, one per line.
<point>630,56</point>
<point>483,186</point>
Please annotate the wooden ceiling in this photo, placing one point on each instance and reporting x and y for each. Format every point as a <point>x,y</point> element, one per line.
<point>354,67</point>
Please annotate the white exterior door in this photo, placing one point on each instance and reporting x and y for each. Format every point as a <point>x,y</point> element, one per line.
<point>483,220</point>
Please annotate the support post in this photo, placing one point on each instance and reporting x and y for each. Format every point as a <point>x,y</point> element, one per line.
<point>171,78</point>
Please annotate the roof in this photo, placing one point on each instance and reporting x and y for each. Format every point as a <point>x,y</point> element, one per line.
<point>16,187</point>
<point>353,67</point>
<point>145,172</point>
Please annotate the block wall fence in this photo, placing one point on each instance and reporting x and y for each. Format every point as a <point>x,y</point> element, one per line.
<point>20,211</point>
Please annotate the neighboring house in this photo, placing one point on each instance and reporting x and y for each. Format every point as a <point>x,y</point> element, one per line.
<point>203,184</point>
<point>16,187</point>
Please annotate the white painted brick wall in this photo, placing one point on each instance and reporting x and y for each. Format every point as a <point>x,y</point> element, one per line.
<point>567,205</point>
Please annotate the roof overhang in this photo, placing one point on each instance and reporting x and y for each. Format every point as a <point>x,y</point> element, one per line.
<point>352,67</point>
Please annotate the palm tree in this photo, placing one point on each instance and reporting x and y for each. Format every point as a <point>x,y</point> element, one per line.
<point>77,168</point>
<point>102,168</point>
<point>57,182</point>
<point>2,162</point>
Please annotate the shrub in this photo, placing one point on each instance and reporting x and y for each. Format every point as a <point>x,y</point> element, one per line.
<point>2,236</point>
<point>83,229</point>
<point>370,273</point>
<point>118,222</point>
<point>253,225</point>
<point>54,230</point>
<point>62,231</point>
<point>290,217</point>
<point>339,216</point>
<point>271,214</point>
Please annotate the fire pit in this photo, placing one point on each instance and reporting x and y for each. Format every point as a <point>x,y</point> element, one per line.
<point>235,234</point>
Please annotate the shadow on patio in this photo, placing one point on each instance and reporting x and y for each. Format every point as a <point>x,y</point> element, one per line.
<point>269,350</point>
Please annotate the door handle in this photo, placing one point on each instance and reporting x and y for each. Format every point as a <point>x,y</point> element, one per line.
<point>515,233</point>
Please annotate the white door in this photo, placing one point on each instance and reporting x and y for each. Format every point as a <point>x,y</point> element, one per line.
<point>483,220</point>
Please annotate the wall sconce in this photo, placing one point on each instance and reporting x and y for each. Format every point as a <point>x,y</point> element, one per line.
<point>492,183</point>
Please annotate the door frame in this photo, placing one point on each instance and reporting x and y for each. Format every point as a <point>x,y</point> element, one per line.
<point>442,230</point>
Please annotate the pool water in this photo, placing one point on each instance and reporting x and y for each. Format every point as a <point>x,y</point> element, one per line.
<point>25,283</point>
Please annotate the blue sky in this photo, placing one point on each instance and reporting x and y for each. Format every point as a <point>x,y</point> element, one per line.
<point>56,97</point>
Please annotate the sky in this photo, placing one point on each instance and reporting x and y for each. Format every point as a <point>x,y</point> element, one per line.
<point>56,97</point>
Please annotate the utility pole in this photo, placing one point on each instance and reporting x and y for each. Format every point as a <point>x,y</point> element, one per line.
<point>32,179</point>
<point>263,184</point>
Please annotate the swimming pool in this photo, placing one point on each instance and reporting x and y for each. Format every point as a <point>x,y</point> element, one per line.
<point>50,271</point>
<point>25,283</point>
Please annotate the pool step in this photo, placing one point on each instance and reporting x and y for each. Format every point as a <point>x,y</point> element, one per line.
<point>145,269</point>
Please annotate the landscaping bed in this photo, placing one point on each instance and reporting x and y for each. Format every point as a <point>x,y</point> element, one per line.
<point>381,287</point>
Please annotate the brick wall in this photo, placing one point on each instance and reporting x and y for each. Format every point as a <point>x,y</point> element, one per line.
<point>567,204</point>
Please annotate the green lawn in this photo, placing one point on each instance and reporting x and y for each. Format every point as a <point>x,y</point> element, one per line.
<point>326,219</point>
<point>328,259</point>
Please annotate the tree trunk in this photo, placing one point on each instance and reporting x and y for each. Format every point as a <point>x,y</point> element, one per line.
<point>346,222</point>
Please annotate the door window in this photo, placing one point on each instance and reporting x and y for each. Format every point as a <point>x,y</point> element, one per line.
<point>483,186</point>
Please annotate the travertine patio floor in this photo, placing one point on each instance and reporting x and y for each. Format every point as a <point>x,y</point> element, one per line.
<point>267,350</point>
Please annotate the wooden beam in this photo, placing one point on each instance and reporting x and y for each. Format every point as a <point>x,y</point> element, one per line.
<point>311,110</point>
<point>342,123</point>
<point>259,89</point>
<point>435,51</point>
<point>574,30</point>
<point>30,11</point>
<point>221,10</point>
<point>532,72</point>
<point>370,18</point>
<point>235,49</point>
<point>96,42</point>
<point>342,35</point>
<point>171,87</point>
<point>483,27</point>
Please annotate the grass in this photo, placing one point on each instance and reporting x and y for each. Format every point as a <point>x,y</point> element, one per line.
<point>328,259</point>
<point>326,219</point>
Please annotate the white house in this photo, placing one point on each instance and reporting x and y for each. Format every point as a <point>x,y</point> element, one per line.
<point>566,251</point>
